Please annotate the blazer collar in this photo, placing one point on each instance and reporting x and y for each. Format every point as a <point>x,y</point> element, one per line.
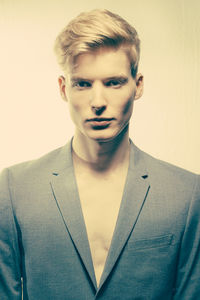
<point>64,159</point>
<point>65,192</point>
<point>66,195</point>
<point>135,193</point>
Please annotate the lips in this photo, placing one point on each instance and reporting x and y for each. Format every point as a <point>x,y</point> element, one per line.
<point>99,119</point>
<point>100,123</point>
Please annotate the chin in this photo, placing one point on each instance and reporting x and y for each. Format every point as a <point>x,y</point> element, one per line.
<point>105,135</point>
<point>100,136</point>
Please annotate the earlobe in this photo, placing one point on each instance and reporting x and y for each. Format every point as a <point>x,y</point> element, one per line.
<point>139,86</point>
<point>61,82</point>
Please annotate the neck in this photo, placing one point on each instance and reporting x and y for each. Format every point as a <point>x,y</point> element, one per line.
<point>101,156</point>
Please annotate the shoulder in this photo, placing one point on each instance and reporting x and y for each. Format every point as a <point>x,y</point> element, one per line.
<point>42,167</point>
<point>167,176</point>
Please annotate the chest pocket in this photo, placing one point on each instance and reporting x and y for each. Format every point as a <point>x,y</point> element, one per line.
<point>155,242</point>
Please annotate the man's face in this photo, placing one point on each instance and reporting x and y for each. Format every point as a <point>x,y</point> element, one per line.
<point>100,92</point>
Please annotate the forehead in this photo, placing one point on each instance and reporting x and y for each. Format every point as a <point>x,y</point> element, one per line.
<point>104,62</point>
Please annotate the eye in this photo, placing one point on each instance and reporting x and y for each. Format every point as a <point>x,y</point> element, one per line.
<point>116,83</point>
<point>82,84</point>
<point>112,83</point>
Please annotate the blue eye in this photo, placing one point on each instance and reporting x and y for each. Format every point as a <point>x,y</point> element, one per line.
<point>113,83</point>
<point>82,84</point>
<point>116,82</point>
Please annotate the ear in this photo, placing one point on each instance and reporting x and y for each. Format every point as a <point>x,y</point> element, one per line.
<point>139,85</point>
<point>62,85</point>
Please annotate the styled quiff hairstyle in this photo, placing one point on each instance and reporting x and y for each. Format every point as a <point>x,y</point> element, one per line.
<point>96,29</point>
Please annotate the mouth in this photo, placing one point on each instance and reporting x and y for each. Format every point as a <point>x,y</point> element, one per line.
<point>100,123</point>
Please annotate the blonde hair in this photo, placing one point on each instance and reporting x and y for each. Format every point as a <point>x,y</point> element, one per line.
<point>96,29</point>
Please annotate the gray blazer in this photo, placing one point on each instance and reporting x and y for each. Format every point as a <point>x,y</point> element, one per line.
<point>155,250</point>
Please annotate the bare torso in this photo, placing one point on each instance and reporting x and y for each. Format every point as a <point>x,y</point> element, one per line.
<point>100,197</point>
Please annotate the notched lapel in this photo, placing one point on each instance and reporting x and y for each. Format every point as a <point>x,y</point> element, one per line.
<point>135,193</point>
<point>66,195</point>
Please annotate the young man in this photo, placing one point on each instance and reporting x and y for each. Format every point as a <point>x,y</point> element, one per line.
<point>99,218</point>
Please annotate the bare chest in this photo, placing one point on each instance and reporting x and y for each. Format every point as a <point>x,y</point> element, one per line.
<point>100,201</point>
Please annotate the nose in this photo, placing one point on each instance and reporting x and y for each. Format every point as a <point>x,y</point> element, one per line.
<point>98,99</point>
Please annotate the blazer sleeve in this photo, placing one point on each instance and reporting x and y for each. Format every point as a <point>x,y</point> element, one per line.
<point>188,270</point>
<point>10,274</point>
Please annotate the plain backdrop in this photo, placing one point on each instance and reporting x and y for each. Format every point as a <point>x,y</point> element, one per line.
<point>34,119</point>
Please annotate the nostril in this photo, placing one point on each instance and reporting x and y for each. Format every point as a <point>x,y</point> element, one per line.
<point>98,110</point>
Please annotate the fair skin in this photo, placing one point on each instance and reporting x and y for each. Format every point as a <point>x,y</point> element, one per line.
<point>100,92</point>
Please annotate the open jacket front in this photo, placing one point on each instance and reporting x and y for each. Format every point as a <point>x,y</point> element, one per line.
<point>155,249</point>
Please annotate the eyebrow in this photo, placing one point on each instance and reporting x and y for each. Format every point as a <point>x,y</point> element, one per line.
<point>75,79</point>
<point>121,78</point>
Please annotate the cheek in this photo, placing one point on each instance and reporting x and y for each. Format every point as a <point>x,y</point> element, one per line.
<point>128,106</point>
<point>77,110</point>
<point>125,100</point>
<point>75,105</point>
<point>74,109</point>
<point>78,101</point>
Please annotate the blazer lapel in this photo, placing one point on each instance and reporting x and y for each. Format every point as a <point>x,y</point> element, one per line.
<point>66,195</point>
<point>135,193</point>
